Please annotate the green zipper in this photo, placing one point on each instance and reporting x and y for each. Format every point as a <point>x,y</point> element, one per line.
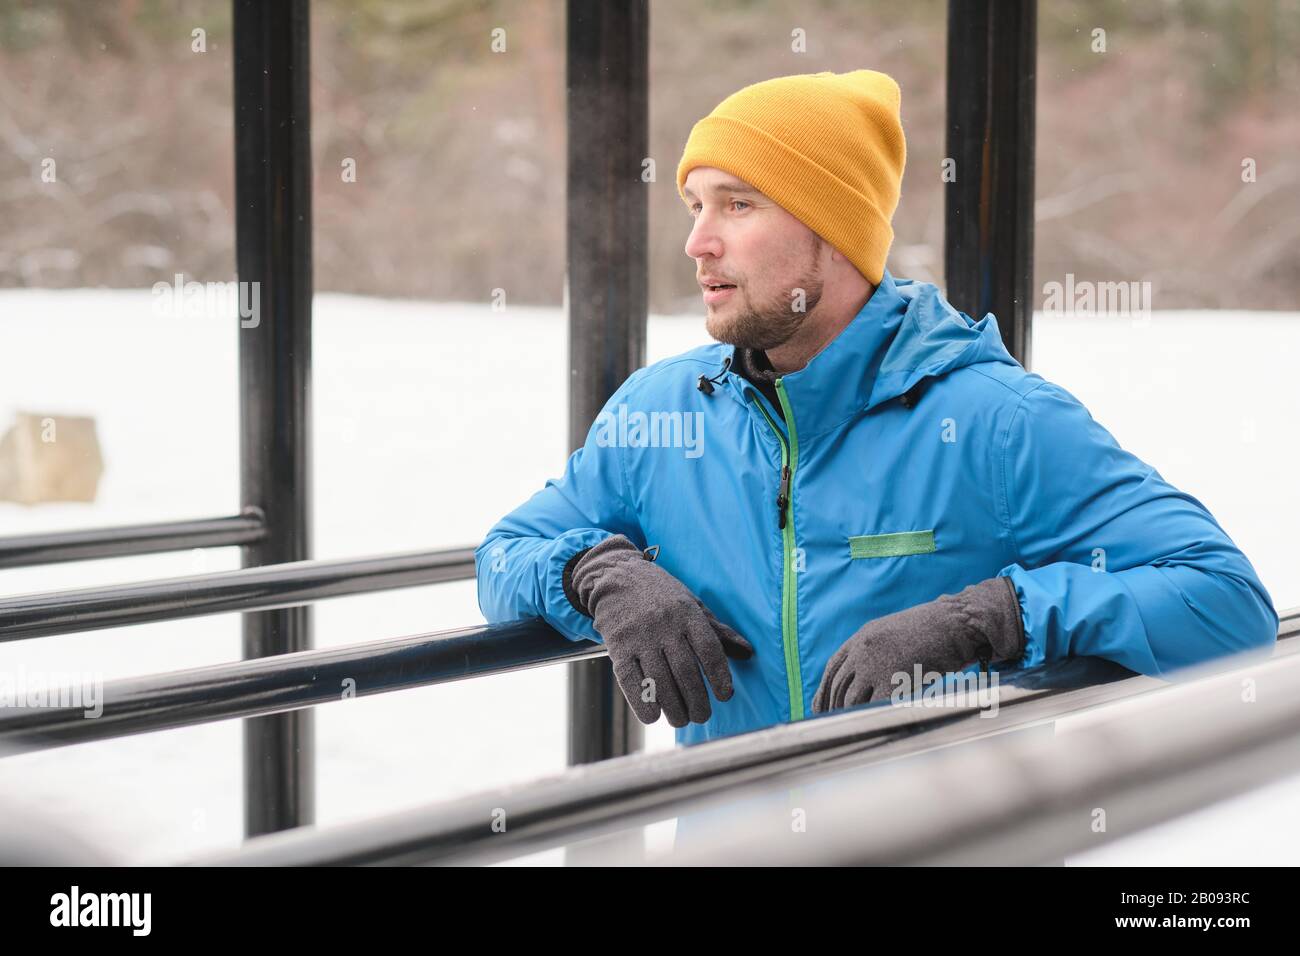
<point>785,520</point>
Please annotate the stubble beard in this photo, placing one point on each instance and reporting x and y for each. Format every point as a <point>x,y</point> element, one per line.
<point>770,323</point>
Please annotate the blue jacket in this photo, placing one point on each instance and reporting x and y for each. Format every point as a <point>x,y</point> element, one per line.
<point>895,496</point>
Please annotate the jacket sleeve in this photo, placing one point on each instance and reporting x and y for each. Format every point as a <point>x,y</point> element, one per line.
<point>1113,561</point>
<point>520,564</point>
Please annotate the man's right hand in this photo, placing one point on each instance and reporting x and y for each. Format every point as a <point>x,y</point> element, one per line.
<point>658,634</point>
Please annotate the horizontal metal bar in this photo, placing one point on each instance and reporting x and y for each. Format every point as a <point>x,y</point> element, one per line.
<point>585,801</point>
<point>287,682</point>
<point>1025,801</point>
<point>597,798</point>
<point>52,547</point>
<point>269,685</point>
<point>247,589</point>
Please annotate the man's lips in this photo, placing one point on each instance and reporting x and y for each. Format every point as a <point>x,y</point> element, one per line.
<point>717,295</point>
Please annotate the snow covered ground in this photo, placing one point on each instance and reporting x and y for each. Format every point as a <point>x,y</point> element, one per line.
<point>430,421</point>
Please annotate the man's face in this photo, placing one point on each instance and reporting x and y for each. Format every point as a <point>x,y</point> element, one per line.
<point>743,238</point>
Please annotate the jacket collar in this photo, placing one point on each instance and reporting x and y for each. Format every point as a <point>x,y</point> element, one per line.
<point>837,382</point>
<point>904,333</point>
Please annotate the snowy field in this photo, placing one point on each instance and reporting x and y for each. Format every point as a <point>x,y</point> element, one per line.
<point>431,421</point>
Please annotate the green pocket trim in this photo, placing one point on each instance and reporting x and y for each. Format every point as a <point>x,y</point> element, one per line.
<point>891,545</point>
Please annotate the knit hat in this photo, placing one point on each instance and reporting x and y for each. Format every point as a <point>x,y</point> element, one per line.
<point>828,147</point>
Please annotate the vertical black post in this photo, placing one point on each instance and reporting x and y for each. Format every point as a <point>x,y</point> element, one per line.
<point>273,250</point>
<point>607,254</point>
<point>989,221</point>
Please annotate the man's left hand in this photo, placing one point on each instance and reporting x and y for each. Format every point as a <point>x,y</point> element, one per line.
<point>981,622</point>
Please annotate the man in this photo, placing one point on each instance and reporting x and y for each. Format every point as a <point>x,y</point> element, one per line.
<point>873,482</point>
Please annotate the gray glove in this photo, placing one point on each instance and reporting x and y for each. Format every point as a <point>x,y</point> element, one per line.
<point>981,622</point>
<point>655,628</point>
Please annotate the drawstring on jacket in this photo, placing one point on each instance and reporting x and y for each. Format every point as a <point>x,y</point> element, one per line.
<point>761,374</point>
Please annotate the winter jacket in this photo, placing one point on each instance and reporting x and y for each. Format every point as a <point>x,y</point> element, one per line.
<point>910,457</point>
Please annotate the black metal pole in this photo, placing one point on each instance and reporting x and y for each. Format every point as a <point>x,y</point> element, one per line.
<point>607,64</point>
<point>1024,794</point>
<point>52,547</point>
<point>821,753</point>
<point>273,249</point>
<point>269,685</point>
<point>989,214</point>
<point>608,142</point>
<point>611,798</point>
<point>48,613</point>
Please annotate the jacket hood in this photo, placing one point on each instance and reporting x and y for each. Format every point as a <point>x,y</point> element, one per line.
<point>932,338</point>
<point>906,332</point>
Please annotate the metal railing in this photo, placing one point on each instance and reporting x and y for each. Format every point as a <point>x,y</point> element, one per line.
<point>1026,800</point>
<point>580,804</point>
<point>287,682</point>
<point>219,592</point>
<point>603,797</point>
<point>52,547</point>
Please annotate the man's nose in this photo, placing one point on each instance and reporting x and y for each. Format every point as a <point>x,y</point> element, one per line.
<point>703,239</point>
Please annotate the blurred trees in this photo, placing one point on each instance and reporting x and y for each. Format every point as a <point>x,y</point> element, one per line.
<point>458,148</point>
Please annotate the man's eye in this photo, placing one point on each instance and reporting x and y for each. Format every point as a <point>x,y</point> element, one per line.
<point>696,206</point>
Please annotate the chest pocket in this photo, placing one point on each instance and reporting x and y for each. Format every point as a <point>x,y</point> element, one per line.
<point>891,545</point>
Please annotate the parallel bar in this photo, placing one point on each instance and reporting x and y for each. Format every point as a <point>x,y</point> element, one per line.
<point>270,685</point>
<point>271,586</point>
<point>292,681</point>
<point>614,795</point>
<point>989,214</point>
<point>273,223</point>
<point>52,547</point>
<point>608,260</point>
<point>1028,801</point>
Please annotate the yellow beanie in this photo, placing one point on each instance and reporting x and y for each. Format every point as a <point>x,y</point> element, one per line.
<point>828,147</point>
